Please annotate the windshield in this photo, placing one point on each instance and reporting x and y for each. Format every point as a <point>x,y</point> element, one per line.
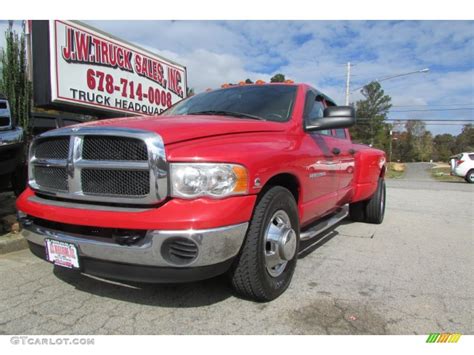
<point>268,102</point>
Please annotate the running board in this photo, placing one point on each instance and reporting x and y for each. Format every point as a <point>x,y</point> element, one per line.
<point>325,224</point>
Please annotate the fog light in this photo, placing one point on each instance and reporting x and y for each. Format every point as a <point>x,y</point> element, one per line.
<point>179,251</point>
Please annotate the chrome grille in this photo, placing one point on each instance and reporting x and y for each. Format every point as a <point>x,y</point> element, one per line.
<point>51,177</point>
<point>115,182</point>
<point>56,148</point>
<point>100,164</point>
<point>114,148</point>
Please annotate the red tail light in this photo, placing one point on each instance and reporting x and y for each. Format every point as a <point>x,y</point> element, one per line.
<point>459,162</point>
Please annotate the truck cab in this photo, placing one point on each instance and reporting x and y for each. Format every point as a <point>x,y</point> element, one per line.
<point>239,180</point>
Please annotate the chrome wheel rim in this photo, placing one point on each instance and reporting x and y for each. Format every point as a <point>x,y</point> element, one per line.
<point>279,243</point>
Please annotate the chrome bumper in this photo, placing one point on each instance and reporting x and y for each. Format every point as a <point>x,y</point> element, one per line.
<point>214,245</point>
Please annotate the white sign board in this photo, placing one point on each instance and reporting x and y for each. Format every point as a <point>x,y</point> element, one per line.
<point>90,68</point>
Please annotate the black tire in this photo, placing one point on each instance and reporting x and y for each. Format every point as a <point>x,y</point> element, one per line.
<point>470,176</point>
<point>372,210</point>
<point>249,275</point>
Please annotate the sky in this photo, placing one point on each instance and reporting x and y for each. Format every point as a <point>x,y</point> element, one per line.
<point>317,52</point>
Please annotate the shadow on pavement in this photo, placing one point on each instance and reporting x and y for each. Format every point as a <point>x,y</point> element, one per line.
<point>195,294</point>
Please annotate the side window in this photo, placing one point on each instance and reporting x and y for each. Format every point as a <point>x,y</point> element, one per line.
<point>314,109</point>
<point>340,133</point>
<point>471,156</point>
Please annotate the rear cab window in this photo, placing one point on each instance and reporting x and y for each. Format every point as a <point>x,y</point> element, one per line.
<point>339,133</point>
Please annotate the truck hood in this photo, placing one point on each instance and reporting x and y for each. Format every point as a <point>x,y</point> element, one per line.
<point>174,129</point>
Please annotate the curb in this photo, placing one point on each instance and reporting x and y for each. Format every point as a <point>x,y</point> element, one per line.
<point>12,242</point>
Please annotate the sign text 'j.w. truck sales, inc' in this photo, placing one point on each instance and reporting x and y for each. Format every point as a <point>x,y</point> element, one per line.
<point>93,69</point>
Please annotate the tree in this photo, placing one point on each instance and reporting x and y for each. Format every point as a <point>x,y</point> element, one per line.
<point>15,84</point>
<point>465,140</point>
<point>443,146</point>
<point>278,78</point>
<point>248,81</point>
<point>426,151</point>
<point>371,113</point>
<point>419,142</point>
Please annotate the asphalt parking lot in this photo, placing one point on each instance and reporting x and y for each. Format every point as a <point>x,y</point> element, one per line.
<point>410,275</point>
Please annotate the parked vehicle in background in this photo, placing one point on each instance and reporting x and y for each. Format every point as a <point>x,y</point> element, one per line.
<point>237,180</point>
<point>12,151</point>
<point>462,165</point>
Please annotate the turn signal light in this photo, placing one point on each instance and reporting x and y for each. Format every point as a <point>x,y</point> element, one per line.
<point>241,185</point>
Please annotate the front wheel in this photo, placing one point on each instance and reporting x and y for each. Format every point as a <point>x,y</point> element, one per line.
<point>267,261</point>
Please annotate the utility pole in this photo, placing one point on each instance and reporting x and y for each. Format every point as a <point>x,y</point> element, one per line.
<point>390,149</point>
<point>348,83</point>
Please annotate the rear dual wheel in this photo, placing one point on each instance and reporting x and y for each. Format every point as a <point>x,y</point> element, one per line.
<point>267,261</point>
<point>371,210</point>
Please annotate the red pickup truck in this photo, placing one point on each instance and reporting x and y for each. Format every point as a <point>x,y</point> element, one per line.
<point>238,180</point>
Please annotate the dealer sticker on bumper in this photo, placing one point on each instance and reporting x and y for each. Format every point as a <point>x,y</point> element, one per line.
<point>62,253</point>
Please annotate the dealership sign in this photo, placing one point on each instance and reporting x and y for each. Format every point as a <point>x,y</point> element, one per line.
<point>93,69</point>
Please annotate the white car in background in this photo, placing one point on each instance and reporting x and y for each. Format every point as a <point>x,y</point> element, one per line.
<point>463,165</point>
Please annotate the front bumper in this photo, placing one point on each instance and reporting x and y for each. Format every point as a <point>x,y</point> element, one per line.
<point>143,273</point>
<point>214,245</point>
<point>145,261</point>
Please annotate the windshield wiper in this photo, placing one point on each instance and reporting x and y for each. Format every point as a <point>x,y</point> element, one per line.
<point>227,113</point>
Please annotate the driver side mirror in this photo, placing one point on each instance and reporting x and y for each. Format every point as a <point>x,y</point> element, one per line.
<point>334,117</point>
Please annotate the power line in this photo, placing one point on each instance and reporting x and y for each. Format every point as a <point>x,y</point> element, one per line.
<point>426,120</point>
<point>429,124</point>
<point>439,105</point>
<point>436,109</point>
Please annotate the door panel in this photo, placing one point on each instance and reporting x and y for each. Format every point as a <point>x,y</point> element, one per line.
<point>321,182</point>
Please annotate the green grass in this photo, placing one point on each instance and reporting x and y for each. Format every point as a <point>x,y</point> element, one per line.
<point>395,170</point>
<point>391,174</point>
<point>442,174</point>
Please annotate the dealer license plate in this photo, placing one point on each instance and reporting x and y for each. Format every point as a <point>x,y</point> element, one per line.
<point>62,253</point>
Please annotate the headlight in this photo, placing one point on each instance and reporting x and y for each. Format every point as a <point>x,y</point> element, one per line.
<point>190,180</point>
